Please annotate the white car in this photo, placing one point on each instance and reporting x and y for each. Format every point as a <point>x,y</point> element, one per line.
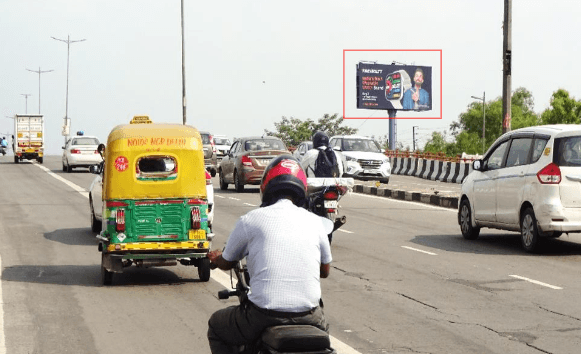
<point>222,144</point>
<point>364,158</point>
<point>302,149</point>
<point>80,151</point>
<point>529,181</point>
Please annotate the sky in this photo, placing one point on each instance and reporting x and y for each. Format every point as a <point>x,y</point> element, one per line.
<point>250,63</point>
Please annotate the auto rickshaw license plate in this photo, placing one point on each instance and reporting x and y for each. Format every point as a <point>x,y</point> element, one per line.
<point>197,234</point>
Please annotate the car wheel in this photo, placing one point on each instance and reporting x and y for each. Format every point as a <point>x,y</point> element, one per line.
<point>223,183</point>
<point>64,167</point>
<point>69,168</point>
<point>15,159</point>
<point>529,233</point>
<point>213,173</point>
<point>385,180</point>
<point>106,276</point>
<point>95,224</point>
<point>204,269</point>
<point>237,184</point>
<point>465,217</point>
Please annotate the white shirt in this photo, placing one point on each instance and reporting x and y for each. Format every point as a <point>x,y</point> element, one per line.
<point>285,246</point>
<point>310,158</point>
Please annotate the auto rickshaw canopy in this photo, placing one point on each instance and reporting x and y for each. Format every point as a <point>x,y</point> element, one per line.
<point>154,161</point>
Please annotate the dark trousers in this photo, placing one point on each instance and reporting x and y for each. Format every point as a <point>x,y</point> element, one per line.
<point>239,325</point>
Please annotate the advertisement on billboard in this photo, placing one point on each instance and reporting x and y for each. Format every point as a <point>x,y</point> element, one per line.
<point>399,87</point>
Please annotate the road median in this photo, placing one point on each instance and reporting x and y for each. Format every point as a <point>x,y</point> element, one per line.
<point>446,201</point>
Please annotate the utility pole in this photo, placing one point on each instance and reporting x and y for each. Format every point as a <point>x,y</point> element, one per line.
<point>39,72</point>
<point>183,69</point>
<point>26,101</point>
<point>414,136</point>
<point>68,42</point>
<point>392,128</point>
<point>506,71</point>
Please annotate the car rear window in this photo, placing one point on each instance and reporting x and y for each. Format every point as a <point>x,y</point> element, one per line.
<point>220,141</point>
<point>156,168</point>
<point>85,141</point>
<point>205,139</point>
<point>263,144</point>
<point>568,151</point>
<point>360,145</point>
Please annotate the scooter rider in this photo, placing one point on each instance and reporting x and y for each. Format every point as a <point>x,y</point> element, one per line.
<point>4,145</point>
<point>321,146</point>
<point>287,252</point>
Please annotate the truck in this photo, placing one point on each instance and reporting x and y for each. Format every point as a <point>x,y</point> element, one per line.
<point>28,138</point>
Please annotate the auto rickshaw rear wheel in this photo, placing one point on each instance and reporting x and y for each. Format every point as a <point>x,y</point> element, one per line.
<point>204,269</point>
<point>106,276</point>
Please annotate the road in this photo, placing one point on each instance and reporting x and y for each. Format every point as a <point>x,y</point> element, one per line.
<point>403,280</point>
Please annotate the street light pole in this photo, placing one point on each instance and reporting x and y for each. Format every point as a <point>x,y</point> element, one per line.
<point>68,42</point>
<point>483,98</point>
<point>183,69</point>
<point>39,72</point>
<point>26,102</point>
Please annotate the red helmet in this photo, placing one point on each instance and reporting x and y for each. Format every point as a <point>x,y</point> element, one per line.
<point>283,176</point>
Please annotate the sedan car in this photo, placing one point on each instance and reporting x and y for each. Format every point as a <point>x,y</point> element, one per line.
<point>80,151</point>
<point>364,158</point>
<point>302,149</point>
<point>529,181</point>
<point>210,154</point>
<point>247,159</point>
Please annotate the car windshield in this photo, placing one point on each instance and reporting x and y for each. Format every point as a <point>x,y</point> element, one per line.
<point>85,141</point>
<point>205,139</point>
<point>263,144</point>
<point>568,151</point>
<point>365,145</point>
<point>221,141</point>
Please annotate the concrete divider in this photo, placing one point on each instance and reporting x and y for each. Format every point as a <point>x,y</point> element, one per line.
<point>446,202</point>
<point>445,171</point>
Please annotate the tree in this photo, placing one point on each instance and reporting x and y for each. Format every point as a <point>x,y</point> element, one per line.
<point>564,109</point>
<point>293,130</point>
<point>437,143</point>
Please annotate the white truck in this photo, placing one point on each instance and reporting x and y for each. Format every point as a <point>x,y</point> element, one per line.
<point>28,138</point>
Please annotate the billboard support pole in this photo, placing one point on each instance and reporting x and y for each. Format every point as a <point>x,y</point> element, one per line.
<point>392,128</point>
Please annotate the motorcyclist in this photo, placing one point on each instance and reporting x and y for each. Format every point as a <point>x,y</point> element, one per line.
<point>4,145</point>
<point>311,158</point>
<point>287,252</point>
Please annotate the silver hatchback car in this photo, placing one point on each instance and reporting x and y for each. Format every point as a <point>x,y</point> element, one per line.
<point>529,181</point>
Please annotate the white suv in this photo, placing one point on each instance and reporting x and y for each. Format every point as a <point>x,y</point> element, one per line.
<point>364,158</point>
<point>529,181</point>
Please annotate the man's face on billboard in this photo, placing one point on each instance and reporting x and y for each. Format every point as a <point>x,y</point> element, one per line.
<point>419,78</point>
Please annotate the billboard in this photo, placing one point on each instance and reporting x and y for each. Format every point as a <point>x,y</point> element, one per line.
<point>400,87</point>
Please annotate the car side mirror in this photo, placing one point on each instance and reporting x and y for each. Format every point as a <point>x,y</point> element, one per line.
<point>63,147</point>
<point>95,169</point>
<point>336,148</point>
<point>477,165</point>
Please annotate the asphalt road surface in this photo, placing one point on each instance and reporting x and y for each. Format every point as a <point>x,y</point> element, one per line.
<point>403,280</point>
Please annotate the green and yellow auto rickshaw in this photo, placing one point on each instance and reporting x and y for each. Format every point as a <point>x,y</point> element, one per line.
<point>155,207</point>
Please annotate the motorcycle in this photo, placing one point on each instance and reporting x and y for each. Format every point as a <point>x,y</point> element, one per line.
<point>323,198</point>
<point>304,339</point>
<point>3,150</point>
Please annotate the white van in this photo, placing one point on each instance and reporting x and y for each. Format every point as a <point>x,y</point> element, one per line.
<point>528,181</point>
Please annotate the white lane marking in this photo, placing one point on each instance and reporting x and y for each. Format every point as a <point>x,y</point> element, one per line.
<point>252,205</point>
<point>537,282</point>
<point>417,250</point>
<point>82,191</point>
<point>224,279</point>
<point>428,206</point>
<point>3,335</point>
<point>219,196</point>
<point>233,198</point>
<point>345,231</point>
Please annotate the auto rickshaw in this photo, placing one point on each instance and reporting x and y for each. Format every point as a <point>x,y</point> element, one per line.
<point>154,199</point>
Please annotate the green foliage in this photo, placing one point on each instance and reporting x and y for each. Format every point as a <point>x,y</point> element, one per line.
<point>293,130</point>
<point>563,110</point>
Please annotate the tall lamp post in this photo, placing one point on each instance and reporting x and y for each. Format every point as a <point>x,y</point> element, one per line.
<point>483,99</point>
<point>39,72</point>
<point>26,102</point>
<point>183,69</point>
<point>68,42</point>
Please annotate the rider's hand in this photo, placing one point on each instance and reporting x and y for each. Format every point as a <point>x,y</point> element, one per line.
<point>213,255</point>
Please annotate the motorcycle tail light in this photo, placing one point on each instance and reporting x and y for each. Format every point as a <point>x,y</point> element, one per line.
<point>196,218</point>
<point>550,174</point>
<point>246,161</point>
<point>208,178</point>
<point>120,220</point>
<point>331,195</point>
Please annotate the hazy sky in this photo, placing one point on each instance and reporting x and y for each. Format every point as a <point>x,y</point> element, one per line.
<point>249,63</point>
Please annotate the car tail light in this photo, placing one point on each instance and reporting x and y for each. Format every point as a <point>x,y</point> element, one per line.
<point>120,220</point>
<point>208,178</point>
<point>75,151</point>
<point>196,218</point>
<point>246,161</point>
<point>550,174</point>
<point>331,195</point>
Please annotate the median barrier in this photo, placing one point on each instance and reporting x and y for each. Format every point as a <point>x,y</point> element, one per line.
<point>435,170</point>
<point>386,192</point>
